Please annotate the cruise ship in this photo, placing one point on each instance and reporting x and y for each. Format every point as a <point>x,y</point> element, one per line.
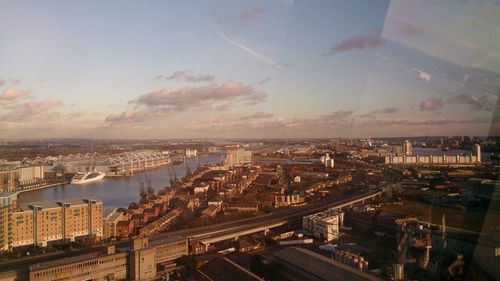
<point>81,178</point>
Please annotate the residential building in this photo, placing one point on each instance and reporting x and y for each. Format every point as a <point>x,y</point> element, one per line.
<point>8,203</point>
<point>40,223</point>
<point>238,157</point>
<point>407,148</point>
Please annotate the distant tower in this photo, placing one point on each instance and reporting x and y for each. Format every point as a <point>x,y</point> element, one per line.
<point>476,150</point>
<point>407,148</point>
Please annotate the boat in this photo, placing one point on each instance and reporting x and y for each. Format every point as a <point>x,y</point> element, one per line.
<point>81,178</point>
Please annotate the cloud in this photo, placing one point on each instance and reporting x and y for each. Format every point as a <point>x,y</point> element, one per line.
<point>133,116</point>
<point>427,122</point>
<point>339,115</point>
<point>13,94</point>
<point>474,102</point>
<point>180,99</point>
<point>33,110</point>
<point>2,82</point>
<point>246,16</point>
<point>432,104</point>
<point>251,13</point>
<point>251,52</point>
<point>167,100</point>
<point>359,42</point>
<point>387,110</point>
<point>76,115</point>
<point>15,81</point>
<point>423,75</point>
<point>185,75</point>
<point>264,81</point>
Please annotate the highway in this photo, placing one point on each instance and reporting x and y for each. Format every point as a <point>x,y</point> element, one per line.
<point>266,221</point>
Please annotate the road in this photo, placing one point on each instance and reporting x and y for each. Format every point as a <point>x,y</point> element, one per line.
<point>199,232</point>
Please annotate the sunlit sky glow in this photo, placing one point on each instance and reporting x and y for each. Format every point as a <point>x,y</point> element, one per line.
<point>248,69</point>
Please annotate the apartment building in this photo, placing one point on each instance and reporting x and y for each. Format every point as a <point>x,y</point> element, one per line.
<point>40,223</point>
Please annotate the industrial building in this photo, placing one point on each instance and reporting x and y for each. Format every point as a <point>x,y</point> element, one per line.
<point>302,264</point>
<point>325,225</point>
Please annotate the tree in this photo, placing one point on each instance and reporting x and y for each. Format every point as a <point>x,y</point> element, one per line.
<point>59,169</point>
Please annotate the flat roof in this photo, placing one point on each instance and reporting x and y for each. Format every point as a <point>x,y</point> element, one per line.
<point>320,266</point>
<point>70,260</point>
<point>57,203</point>
<point>224,269</point>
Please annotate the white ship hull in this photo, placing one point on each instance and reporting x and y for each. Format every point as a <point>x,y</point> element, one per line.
<point>82,178</point>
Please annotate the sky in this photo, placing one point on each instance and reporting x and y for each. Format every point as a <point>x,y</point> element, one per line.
<point>249,69</point>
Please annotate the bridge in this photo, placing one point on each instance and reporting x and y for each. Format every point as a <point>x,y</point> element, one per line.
<point>202,235</point>
<point>264,224</point>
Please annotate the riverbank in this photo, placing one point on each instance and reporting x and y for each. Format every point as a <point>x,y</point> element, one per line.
<point>42,187</point>
<point>117,192</point>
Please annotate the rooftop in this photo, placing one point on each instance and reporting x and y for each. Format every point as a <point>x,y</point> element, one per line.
<point>57,203</point>
<point>223,269</point>
<point>321,267</point>
<point>68,260</point>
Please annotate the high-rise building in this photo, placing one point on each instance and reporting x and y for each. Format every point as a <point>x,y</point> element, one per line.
<point>238,157</point>
<point>8,203</point>
<point>407,148</point>
<point>40,223</point>
<point>9,179</point>
<point>476,151</point>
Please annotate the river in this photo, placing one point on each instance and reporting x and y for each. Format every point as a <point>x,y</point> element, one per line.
<point>120,191</point>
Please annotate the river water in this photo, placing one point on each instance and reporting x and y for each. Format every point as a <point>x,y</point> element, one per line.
<point>120,191</point>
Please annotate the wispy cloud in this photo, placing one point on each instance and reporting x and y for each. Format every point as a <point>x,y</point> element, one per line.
<point>11,94</point>
<point>187,76</point>
<point>484,102</point>
<point>432,104</point>
<point>245,16</point>
<point>387,110</point>
<point>251,52</point>
<point>423,75</point>
<point>356,43</point>
<point>32,110</point>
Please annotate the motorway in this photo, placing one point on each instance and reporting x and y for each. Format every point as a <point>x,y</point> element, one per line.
<point>206,232</point>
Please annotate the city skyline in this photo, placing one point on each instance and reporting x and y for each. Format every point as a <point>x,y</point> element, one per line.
<point>279,69</point>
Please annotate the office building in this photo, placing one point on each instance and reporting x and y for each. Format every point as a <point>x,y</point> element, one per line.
<point>325,225</point>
